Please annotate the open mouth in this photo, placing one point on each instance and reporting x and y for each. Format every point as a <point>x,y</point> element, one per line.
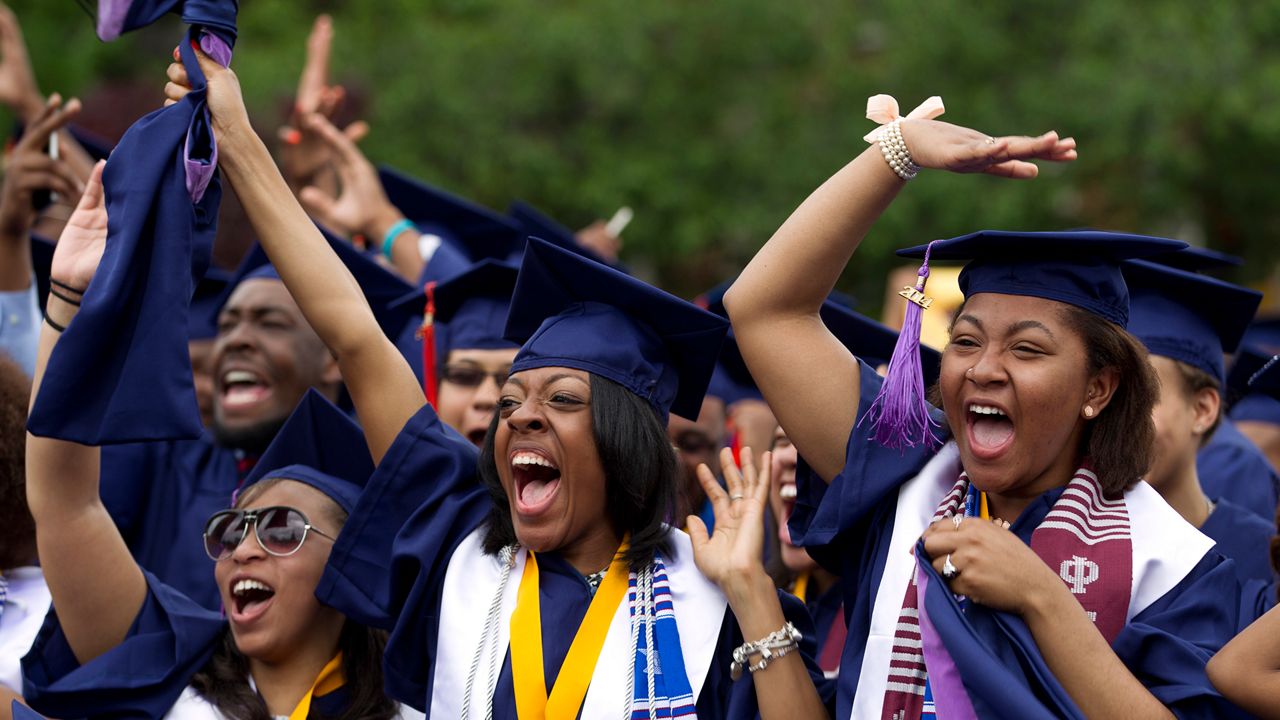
<point>990,430</point>
<point>241,388</point>
<point>477,435</point>
<point>536,478</point>
<point>249,599</point>
<point>788,493</point>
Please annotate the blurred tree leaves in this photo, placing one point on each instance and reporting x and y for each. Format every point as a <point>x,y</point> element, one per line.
<point>715,119</point>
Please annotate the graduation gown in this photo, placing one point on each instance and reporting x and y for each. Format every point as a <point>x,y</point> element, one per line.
<point>1243,537</point>
<point>1183,608</point>
<point>160,494</point>
<point>1231,467</point>
<point>148,675</point>
<point>409,560</point>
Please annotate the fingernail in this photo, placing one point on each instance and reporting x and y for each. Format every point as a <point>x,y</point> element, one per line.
<point>293,137</point>
<point>176,55</point>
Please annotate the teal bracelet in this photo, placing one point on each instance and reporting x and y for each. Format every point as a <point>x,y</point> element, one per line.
<point>392,233</point>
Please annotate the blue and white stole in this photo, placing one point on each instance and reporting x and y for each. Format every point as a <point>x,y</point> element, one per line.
<point>665,691</point>
<point>471,591</point>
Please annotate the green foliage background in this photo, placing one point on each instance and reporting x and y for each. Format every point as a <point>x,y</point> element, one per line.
<point>715,119</point>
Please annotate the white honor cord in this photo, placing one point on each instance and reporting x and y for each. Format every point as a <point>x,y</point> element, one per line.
<point>507,556</point>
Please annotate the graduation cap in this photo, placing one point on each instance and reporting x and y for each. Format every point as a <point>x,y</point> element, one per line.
<point>469,232</point>
<point>1197,260</point>
<point>873,342</point>
<point>202,322</point>
<point>321,446</point>
<point>569,311</point>
<point>1077,267</point>
<point>162,198</point>
<point>1190,318</point>
<point>466,312</point>
<point>1267,379</point>
<point>538,224</point>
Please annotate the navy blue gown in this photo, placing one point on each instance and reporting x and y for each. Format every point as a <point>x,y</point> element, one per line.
<point>847,527</point>
<point>1243,537</point>
<point>421,503</point>
<point>1231,467</point>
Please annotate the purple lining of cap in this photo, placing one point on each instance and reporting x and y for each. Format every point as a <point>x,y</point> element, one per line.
<point>200,172</point>
<point>949,696</point>
<point>111,15</point>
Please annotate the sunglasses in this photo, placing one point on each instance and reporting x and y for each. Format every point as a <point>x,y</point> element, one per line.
<point>280,531</point>
<point>471,376</point>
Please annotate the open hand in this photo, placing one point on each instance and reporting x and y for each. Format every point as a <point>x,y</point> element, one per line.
<point>30,169</point>
<point>733,555</point>
<point>943,146</point>
<point>994,567</point>
<point>361,205</point>
<point>79,249</point>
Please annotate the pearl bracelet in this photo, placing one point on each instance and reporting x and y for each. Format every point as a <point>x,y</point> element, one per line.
<point>777,644</point>
<point>895,152</point>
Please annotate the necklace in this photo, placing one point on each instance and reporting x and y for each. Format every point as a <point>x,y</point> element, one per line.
<point>594,580</point>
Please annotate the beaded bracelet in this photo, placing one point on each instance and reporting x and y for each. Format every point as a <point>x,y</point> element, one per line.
<point>773,646</point>
<point>895,152</point>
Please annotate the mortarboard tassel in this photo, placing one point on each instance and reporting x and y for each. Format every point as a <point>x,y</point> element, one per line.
<point>899,416</point>
<point>427,334</point>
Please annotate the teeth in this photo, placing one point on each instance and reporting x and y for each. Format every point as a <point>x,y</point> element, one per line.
<point>527,458</point>
<point>245,586</point>
<point>788,492</point>
<point>239,376</point>
<point>985,410</point>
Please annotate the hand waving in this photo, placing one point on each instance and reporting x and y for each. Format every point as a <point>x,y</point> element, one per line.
<point>361,206</point>
<point>943,146</point>
<point>734,553</point>
<point>84,238</point>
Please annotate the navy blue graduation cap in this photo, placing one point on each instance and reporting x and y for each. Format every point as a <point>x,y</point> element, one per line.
<point>1261,342</point>
<point>731,381</point>
<point>1197,260</point>
<point>469,232</point>
<point>321,446</point>
<point>467,311</point>
<point>538,224</point>
<point>162,200</point>
<point>873,342</point>
<point>1267,379</point>
<point>569,311</point>
<point>1077,267</point>
<point>1183,316</point>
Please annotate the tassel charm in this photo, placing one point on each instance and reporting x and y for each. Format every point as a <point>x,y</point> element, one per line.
<point>899,416</point>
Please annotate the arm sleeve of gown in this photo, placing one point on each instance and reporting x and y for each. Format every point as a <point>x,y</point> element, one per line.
<point>20,327</point>
<point>1167,645</point>
<point>170,641</point>
<point>721,697</point>
<point>388,566</point>
<point>824,512</point>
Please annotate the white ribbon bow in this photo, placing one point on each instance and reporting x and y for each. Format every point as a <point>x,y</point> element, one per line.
<point>884,110</point>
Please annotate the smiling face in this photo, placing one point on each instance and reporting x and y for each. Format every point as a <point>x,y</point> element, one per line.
<point>270,600</point>
<point>782,497</point>
<point>548,464</point>
<point>265,358</point>
<point>469,408</point>
<point>1014,384</point>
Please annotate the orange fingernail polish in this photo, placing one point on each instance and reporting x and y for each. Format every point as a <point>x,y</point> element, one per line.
<point>293,137</point>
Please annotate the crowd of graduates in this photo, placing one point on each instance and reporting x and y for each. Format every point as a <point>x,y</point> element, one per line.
<point>489,473</point>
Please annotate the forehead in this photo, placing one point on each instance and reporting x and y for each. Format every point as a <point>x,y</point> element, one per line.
<point>260,293</point>
<point>497,358</point>
<point>291,493</point>
<point>996,312</point>
<point>538,377</point>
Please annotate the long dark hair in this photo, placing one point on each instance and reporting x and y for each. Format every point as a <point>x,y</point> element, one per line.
<point>639,467</point>
<point>1120,441</point>
<point>222,680</point>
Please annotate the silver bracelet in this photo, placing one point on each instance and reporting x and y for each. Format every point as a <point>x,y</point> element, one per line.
<point>895,152</point>
<point>775,645</point>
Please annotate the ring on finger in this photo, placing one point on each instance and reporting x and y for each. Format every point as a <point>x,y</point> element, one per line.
<point>991,140</point>
<point>949,570</point>
<point>956,520</point>
<point>736,497</point>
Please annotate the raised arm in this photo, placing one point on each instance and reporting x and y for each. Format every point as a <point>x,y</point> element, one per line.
<point>384,389</point>
<point>96,586</point>
<point>808,377</point>
<point>1247,669</point>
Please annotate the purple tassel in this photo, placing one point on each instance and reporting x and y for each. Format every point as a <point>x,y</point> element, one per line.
<point>899,416</point>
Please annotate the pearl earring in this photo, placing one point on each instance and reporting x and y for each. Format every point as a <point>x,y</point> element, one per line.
<point>1088,411</point>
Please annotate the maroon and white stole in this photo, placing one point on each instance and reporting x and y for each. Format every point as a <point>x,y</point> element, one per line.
<point>1085,537</point>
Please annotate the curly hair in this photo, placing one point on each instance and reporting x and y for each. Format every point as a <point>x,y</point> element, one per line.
<point>17,528</point>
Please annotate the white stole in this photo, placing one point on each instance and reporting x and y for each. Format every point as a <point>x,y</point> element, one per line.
<point>1165,549</point>
<point>469,585</point>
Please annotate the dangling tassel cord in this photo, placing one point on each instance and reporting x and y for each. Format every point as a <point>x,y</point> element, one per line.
<point>427,334</point>
<point>899,416</point>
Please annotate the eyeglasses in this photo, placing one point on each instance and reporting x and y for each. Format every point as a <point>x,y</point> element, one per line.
<point>280,531</point>
<point>472,376</point>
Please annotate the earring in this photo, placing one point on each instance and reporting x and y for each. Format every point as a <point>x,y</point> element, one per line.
<point>1088,411</point>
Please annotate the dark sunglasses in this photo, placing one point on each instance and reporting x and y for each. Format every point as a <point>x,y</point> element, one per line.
<point>280,531</point>
<point>471,376</point>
